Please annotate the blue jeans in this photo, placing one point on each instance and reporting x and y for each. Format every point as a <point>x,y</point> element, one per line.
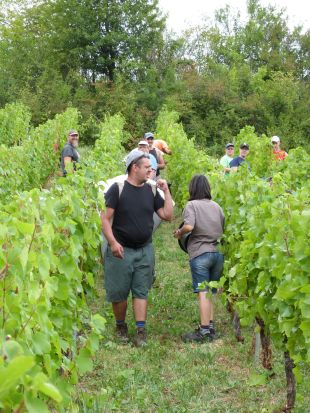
<point>205,268</point>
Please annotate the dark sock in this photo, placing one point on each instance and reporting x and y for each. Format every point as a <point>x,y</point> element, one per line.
<point>120,322</point>
<point>204,329</point>
<point>140,324</point>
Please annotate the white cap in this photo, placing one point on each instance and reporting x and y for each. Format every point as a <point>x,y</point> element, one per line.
<point>275,139</point>
<point>143,143</point>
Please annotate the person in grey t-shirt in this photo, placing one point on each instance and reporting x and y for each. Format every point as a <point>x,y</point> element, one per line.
<point>69,153</point>
<point>205,220</point>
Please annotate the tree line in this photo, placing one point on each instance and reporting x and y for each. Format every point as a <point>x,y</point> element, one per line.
<point>109,56</point>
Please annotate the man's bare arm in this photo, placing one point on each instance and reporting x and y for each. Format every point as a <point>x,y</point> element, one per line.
<point>160,161</point>
<point>166,212</point>
<point>116,247</point>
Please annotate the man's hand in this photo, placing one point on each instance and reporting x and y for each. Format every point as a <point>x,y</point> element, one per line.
<point>162,184</point>
<point>177,234</point>
<point>117,250</point>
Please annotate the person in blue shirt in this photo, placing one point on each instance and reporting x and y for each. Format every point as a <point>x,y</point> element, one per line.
<point>144,147</point>
<point>244,150</point>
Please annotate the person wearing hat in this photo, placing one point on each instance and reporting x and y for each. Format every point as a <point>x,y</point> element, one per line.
<point>149,137</point>
<point>228,157</point>
<point>277,152</point>
<point>144,147</point>
<point>129,258</point>
<point>243,153</point>
<point>69,154</point>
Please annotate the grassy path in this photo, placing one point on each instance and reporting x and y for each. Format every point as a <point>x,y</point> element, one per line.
<point>168,375</point>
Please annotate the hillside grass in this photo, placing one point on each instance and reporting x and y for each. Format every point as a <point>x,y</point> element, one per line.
<point>170,376</point>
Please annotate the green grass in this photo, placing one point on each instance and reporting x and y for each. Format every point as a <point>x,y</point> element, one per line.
<point>170,376</point>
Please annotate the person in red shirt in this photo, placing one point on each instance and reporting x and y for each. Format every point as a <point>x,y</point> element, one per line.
<point>277,152</point>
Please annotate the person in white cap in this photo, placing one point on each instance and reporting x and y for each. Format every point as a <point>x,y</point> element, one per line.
<point>129,258</point>
<point>144,147</point>
<point>149,137</point>
<point>277,152</point>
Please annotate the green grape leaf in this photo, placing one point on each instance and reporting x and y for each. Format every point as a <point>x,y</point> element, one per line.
<point>51,391</point>
<point>44,265</point>
<point>41,343</point>
<point>35,405</point>
<point>25,228</point>
<point>98,322</point>
<point>257,379</point>
<point>11,375</point>
<point>84,361</point>
<point>12,349</point>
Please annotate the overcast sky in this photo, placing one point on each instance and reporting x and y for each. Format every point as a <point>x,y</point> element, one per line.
<point>183,13</point>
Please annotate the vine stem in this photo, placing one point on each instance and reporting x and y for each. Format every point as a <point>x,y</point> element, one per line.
<point>286,244</point>
<point>20,408</point>
<point>3,275</point>
<point>33,234</point>
<point>4,271</point>
<point>31,315</point>
<point>265,343</point>
<point>236,322</point>
<point>290,381</point>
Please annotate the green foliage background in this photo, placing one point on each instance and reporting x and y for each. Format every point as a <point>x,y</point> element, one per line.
<point>226,81</point>
<point>115,56</point>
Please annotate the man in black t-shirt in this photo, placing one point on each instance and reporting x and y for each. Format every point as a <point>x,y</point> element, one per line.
<point>69,154</point>
<point>129,259</point>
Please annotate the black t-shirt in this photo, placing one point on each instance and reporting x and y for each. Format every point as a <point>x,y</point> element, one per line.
<point>154,153</point>
<point>69,151</point>
<point>133,217</point>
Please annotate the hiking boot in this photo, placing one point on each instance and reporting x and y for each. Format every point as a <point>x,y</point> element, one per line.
<point>197,336</point>
<point>212,331</point>
<point>122,333</point>
<point>140,339</point>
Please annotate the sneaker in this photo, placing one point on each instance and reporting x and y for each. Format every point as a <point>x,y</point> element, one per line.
<point>140,339</point>
<point>197,336</point>
<point>122,333</point>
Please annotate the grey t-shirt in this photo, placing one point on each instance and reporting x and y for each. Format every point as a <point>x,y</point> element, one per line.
<point>69,151</point>
<point>207,218</point>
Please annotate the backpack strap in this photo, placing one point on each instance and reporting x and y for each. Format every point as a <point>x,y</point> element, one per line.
<point>154,189</point>
<point>121,187</point>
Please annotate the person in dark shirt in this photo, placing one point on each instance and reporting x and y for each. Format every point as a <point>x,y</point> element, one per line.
<point>243,153</point>
<point>149,137</point>
<point>129,258</point>
<point>69,154</point>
